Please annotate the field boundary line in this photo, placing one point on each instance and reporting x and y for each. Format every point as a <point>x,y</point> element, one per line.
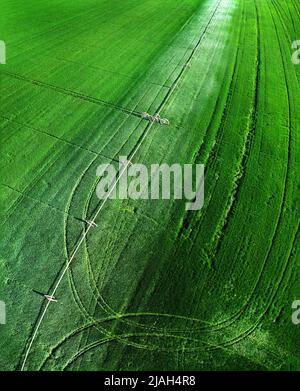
<point>74,94</point>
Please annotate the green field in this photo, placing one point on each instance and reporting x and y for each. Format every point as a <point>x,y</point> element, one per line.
<point>154,287</point>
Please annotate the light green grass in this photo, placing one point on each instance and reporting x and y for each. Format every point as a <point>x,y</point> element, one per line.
<point>154,287</point>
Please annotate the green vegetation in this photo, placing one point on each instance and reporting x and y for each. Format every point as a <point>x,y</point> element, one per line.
<point>154,286</point>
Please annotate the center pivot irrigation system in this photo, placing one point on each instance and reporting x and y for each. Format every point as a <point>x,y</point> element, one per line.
<point>153,119</point>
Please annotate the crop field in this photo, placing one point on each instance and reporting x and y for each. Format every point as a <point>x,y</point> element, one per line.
<point>153,286</point>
